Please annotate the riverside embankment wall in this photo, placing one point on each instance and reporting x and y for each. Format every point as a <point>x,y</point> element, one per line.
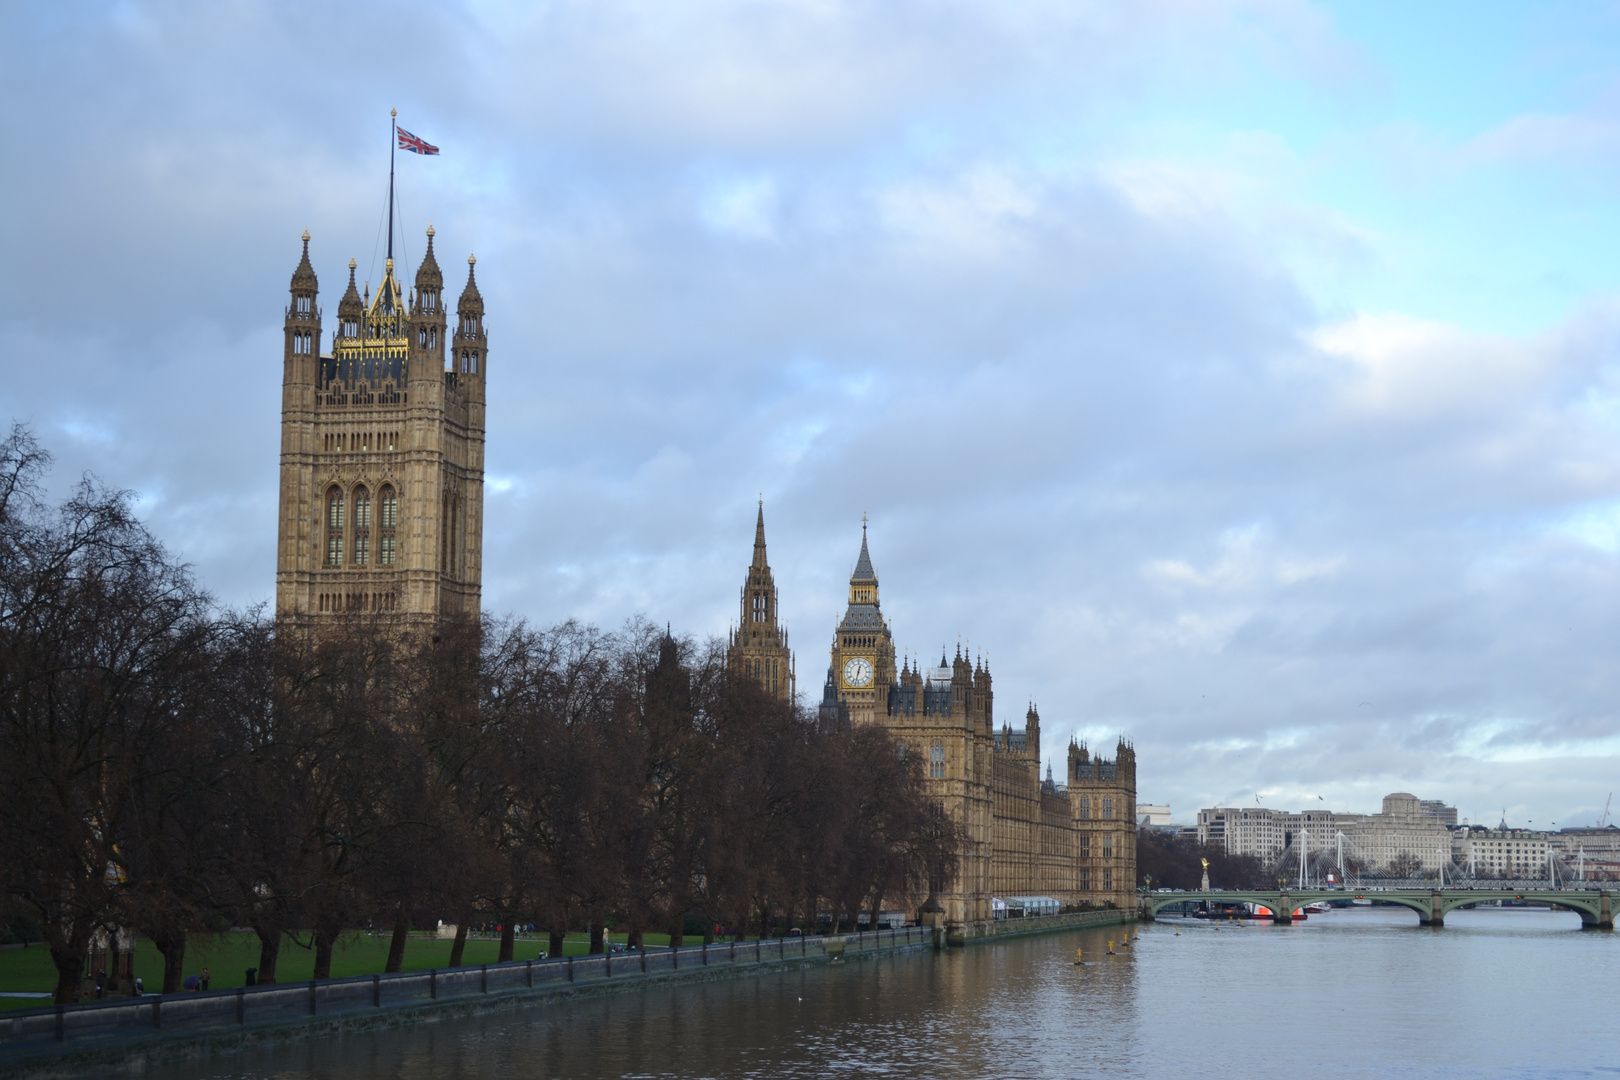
<point>1000,929</point>
<point>69,1039</point>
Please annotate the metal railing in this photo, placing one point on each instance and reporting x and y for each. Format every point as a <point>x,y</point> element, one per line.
<point>214,1010</point>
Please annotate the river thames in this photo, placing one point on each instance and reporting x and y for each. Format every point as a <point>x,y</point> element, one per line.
<point>1356,992</point>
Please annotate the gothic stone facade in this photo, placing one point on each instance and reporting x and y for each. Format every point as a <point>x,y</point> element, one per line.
<point>759,644</point>
<point>382,449</point>
<point>1074,841</point>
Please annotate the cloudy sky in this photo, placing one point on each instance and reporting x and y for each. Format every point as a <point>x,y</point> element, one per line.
<point>1239,376</point>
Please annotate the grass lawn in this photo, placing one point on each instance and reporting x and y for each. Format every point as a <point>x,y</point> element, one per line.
<point>228,956</point>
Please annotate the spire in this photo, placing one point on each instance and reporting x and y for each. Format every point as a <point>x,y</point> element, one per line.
<point>863,564</point>
<point>428,275</point>
<point>303,279</point>
<point>470,295</point>
<point>350,305</point>
<point>759,539</point>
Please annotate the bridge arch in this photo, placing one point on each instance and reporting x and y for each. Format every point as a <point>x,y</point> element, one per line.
<point>1594,908</point>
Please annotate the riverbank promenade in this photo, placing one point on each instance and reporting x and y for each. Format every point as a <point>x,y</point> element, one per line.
<point>56,1035</point>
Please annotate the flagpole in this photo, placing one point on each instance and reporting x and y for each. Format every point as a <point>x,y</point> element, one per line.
<point>393,141</point>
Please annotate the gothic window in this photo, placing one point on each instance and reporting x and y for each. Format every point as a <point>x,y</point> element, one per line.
<point>421,337</point>
<point>1085,808</point>
<point>334,527</point>
<point>759,607</point>
<point>1108,879</point>
<point>433,339</point>
<point>362,526</point>
<point>1085,880</point>
<point>1108,810</point>
<point>472,358</point>
<point>1108,845</point>
<point>1085,845</point>
<point>936,761</point>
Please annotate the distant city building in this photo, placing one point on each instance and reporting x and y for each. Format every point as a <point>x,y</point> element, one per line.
<point>1153,815</point>
<point>1408,831</point>
<point>1598,844</point>
<point>1500,853</point>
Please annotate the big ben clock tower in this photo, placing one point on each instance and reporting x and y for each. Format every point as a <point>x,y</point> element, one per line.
<point>863,647</point>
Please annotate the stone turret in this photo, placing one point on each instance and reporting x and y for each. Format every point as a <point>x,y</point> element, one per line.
<point>758,646</point>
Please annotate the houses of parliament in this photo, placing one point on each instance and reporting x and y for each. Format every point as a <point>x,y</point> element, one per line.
<point>1073,841</point>
<point>382,447</point>
<point>381,510</point>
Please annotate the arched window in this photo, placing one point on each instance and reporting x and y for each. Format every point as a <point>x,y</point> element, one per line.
<point>387,513</point>
<point>472,359</point>
<point>334,527</point>
<point>421,336</point>
<point>1085,808</point>
<point>936,761</point>
<point>1108,810</point>
<point>362,526</point>
<point>759,607</point>
<point>433,339</point>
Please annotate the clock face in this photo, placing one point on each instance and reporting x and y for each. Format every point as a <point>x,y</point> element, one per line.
<point>858,672</point>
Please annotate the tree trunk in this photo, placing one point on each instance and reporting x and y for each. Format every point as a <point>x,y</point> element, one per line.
<point>597,945</point>
<point>173,948</point>
<point>269,951</point>
<point>508,941</point>
<point>633,938</point>
<point>676,935</point>
<point>877,907</point>
<point>69,963</point>
<point>324,940</point>
<point>402,930</point>
<point>764,922</point>
<point>555,946</point>
<point>460,945</point>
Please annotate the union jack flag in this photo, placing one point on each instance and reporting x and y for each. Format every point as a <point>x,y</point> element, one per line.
<point>415,145</point>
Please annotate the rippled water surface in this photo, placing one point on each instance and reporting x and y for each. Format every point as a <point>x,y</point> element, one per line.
<point>1504,993</point>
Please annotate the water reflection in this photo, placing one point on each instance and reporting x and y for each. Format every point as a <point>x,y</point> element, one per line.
<point>1352,993</point>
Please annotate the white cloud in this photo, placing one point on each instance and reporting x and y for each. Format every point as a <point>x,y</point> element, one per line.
<point>1415,368</point>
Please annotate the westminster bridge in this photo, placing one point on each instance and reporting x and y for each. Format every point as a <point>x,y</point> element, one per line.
<point>1595,906</point>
